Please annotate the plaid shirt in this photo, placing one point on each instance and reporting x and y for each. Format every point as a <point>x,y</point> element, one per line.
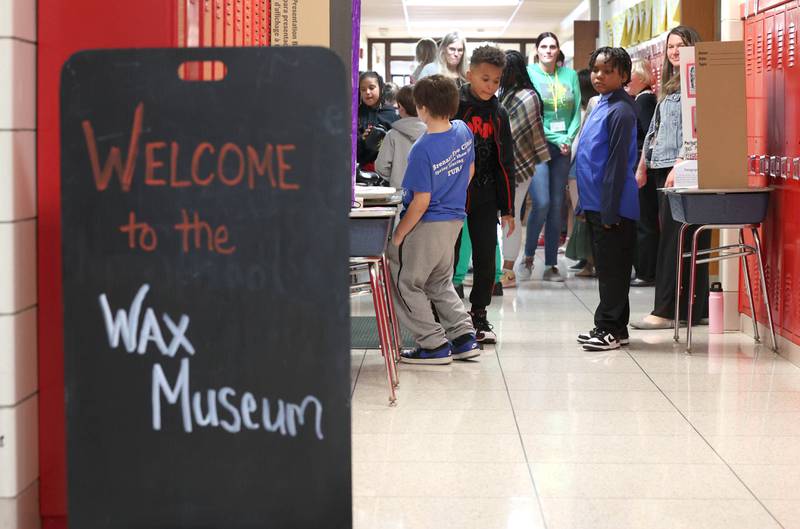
<point>527,130</point>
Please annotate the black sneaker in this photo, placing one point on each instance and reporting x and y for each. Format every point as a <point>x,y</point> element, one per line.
<point>460,291</point>
<point>585,337</point>
<point>602,341</point>
<point>483,329</point>
<point>579,265</point>
<point>498,289</point>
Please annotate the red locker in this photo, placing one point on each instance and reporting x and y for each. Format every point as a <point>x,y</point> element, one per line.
<point>758,97</point>
<point>791,104</point>
<point>790,192</point>
<point>773,228</point>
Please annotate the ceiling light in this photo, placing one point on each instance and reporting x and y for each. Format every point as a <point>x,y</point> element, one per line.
<point>463,23</point>
<point>461,3</point>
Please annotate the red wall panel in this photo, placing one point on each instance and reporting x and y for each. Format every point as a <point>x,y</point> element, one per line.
<point>64,27</point>
<point>67,26</point>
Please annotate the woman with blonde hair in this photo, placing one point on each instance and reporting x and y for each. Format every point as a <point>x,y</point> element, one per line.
<point>425,54</point>
<point>451,59</point>
<point>663,148</point>
<point>640,88</point>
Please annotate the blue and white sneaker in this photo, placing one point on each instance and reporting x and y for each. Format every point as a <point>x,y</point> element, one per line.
<point>465,347</point>
<point>439,356</point>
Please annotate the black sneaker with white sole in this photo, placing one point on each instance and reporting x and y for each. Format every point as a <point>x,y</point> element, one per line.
<point>584,337</point>
<point>484,333</point>
<point>602,341</point>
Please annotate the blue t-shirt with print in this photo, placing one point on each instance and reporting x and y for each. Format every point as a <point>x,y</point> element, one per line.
<point>439,163</point>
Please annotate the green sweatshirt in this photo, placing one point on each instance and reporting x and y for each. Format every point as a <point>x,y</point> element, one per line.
<point>561,98</point>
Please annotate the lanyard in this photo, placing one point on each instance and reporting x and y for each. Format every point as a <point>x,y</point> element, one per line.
<point>554,87</point>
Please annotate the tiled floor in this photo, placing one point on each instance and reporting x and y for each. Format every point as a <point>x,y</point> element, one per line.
<point>540,434</point>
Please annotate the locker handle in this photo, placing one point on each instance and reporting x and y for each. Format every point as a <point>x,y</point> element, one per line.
<point>796,172</point>
<point>786,168</point>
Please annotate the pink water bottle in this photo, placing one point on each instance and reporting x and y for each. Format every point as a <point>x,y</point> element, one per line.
<point>716,310</point>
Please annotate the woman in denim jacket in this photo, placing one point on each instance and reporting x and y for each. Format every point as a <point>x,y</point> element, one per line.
<point>663,149</point>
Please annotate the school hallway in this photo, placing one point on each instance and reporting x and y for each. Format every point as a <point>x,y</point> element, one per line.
<point>541,434</point>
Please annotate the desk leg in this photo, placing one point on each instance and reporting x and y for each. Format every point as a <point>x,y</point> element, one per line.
<point>690,297</point>
<point>391,322</point>
<point>380,316</point>
<point>679,273</point>
<point>392,314</point>
<point>749,287</point>
<point>764,288</point>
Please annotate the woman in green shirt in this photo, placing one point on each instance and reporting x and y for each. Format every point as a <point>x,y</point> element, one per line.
<point>561,97</point>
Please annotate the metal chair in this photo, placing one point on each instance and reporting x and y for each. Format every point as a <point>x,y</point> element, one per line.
<point>740,251</point>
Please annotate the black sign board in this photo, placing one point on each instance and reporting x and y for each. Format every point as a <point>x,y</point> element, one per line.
<point>206,312</point>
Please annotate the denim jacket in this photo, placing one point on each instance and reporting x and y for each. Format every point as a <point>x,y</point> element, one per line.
<point>664,139</point>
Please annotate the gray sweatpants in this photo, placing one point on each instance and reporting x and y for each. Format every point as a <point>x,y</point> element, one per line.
<point>422,273</point>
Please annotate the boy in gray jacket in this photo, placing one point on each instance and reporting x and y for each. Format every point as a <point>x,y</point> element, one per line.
<point>393,156</point>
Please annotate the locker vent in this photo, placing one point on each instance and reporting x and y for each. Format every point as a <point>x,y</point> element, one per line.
<point>768,58</point>
<point>759,59</point>
<point>749,56</point>
<point>792,46</point>
<point>779,58</point>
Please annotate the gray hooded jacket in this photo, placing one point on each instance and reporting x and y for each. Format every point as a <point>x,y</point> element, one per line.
<point>393,157</point>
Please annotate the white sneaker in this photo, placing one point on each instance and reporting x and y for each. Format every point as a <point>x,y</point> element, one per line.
<point>552,274</point>
<point>524,272</point>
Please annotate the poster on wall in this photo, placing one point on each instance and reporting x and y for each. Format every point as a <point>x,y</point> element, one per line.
<point>305,23</point>
<point>688,93</point>
<point>207,358</point>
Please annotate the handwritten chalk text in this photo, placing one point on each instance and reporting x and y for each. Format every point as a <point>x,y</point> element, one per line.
<point>229,164</point>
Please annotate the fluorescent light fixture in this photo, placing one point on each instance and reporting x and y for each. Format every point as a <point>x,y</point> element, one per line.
<point>511,18</point>
<point>462,24</point>
<point>462,3</point>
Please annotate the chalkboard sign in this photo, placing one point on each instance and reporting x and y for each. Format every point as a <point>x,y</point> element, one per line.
<point>206,312</point>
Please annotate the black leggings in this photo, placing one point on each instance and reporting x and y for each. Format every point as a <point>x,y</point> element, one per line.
<point>666,271</point>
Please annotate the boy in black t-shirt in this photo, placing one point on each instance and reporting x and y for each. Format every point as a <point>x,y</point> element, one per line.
<point>492,189</point>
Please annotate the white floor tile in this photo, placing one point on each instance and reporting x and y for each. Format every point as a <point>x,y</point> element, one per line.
<point>750,423</point>
<point>756,450</point>
<point>446,513</point>
<point>580,381</point>
<point>420,398</point>
<point>601,423</point>
<point>620,449</point>
<point>728,381</point>
<point>580,400</point>
<point>474,448</point>
<point>655,514</point>
<point>733,401</point>
<point>459,479</point>
<point>593,363</point>
<point>637,480</point>
<point>786,511</point>
<point>771,482</point>
<point>401,421</point>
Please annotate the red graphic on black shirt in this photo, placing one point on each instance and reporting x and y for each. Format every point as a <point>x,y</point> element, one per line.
<point>479,127</point>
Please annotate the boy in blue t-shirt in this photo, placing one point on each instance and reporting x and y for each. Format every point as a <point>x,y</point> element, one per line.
<point>440,166</point>
<point>609,196</point>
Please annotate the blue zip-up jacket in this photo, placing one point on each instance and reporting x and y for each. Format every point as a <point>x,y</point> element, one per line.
<point>607,155</point>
